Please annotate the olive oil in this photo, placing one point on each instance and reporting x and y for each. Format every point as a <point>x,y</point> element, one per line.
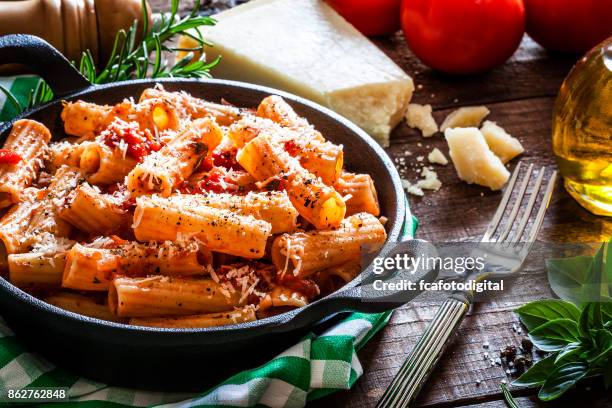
<point>582,130</point>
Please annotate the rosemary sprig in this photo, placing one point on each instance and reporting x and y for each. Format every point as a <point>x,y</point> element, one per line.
<point>132,59</point>
<point>510,401</point>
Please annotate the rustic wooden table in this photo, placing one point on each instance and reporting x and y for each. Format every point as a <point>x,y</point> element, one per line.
<point>520,95</point>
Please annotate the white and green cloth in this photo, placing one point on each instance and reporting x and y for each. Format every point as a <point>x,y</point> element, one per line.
<point>313,368</point>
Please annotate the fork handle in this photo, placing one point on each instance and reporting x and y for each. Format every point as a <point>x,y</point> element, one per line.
<point>426,353</point>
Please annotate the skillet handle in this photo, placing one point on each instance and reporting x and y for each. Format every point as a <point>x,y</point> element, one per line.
<point>39,56</point>
<point>370,295</point>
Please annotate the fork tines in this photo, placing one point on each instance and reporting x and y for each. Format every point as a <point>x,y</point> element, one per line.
<point>518,199</point>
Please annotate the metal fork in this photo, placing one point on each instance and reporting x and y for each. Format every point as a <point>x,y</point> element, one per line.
<point>512,254</point>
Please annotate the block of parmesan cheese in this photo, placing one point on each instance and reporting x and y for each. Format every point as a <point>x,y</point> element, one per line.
<point>500,142</point>
<point>306,48</point>
<point>473,160</point>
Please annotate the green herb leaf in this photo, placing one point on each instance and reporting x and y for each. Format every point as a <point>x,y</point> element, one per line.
<point>508,397</point>
<point>584,324</point>
<point>555,334</point>
<point>537,374</point>
<point>562,379</point>
<point>602,339</point>
<point>566,276</point>
<point>536,313</point>
<point>570,352</point>
<point>582,278</point>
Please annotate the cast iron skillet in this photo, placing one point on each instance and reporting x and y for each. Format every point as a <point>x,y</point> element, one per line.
<point>183,359</point>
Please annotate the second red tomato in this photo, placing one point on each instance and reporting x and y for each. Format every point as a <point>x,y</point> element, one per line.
<point>371,17</point>
<point>463,36</point>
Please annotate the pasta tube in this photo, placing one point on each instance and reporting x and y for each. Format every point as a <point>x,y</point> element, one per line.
<point>162,171</point>
<point>84,305</point>
<point>278,110</point>
<point>323,159</point>
<point>161,219</point>
<point>168,258</point>
<point>246,314</point>
<point>345,272</point>
<point>91,211</point>
<point>284,297</point>
<point>66,153</point>
<point>304,253</point>
<point>36,269</point>
<point>361,193</point>
<point>46,220</point>
<point>14,224</point>
<point>103,164</point>
<point>318,203</point>
<point>92,268</point>
<point>273,207</point>
<point>164,296</point>
<point>89,268</point>
<point>192,107</point>
<point>86,119</point>
<point>29,140</point>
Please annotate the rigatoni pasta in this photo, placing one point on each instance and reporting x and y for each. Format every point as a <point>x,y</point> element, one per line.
<point>165,296</point>
<point>175,211</point>
<point>359,192</point>
<point>89,210</point>
<point>317,202</point>
<point>303,253</point>
<point>162,171</point>
<point>22,159</point>
<point>161,219</point>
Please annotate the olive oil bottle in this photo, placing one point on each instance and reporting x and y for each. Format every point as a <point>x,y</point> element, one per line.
<point>582,130</point>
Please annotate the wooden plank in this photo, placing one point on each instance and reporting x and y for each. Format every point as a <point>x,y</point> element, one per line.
<point>530,72</point>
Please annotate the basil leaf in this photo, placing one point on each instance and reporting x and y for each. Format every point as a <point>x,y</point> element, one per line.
<point>599,276</point>
<point>562,379</point>
<point>584,326</point>
<point>537,374</point>
<point>555,335</point>
<point>606,310</point>
<point>536,313</point>
<point>571,352</point>
<point>566,276</point>
<point>603,346</point>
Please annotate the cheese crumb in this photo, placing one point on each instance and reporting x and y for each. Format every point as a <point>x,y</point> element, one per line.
<point>430,180</point>
<point>419,116</point>
<point>412,188</point>
<point>500,142</point>
<point>473,160</point>
<point>467,116</point>
<point>437,157</point>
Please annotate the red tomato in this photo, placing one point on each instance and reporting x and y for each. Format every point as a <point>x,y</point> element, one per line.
<point>8,156</point>
<point>371,17</point>
<point>569,25</point>
<point>463,36</point>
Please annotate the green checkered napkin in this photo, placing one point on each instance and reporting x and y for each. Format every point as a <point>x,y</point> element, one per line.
<point>313,368</point>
